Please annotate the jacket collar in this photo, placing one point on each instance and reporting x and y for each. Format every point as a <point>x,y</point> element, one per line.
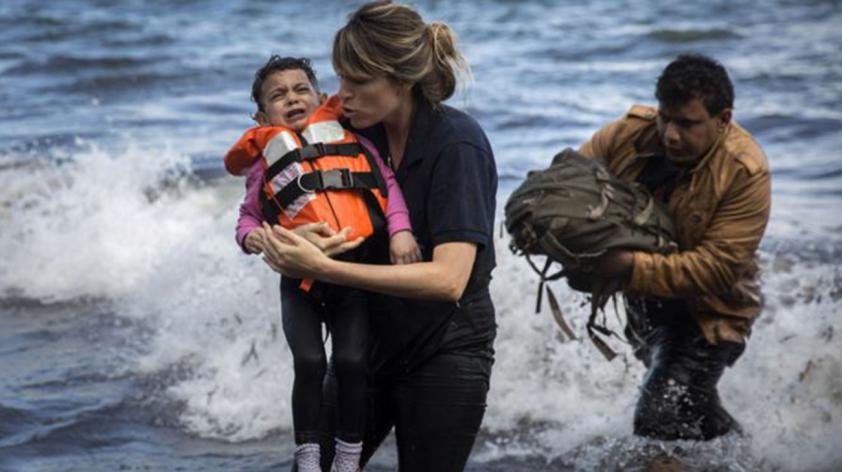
<point>647,143</point>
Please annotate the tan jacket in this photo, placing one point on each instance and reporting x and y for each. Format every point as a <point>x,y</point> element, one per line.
<point>720,213</point>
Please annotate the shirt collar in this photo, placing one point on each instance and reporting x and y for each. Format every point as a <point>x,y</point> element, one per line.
<point>713,149</point>
<point>419,133</point>
<point>419,137</point>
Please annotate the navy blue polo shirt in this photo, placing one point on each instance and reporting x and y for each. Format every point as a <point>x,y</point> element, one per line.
<point>449,181</point>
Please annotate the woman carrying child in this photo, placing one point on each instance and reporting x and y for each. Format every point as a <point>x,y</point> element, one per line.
<point>433,325</point>
<point>298,138</point>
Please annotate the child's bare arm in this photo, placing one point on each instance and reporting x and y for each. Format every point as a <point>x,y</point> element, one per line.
<point>403,249</point>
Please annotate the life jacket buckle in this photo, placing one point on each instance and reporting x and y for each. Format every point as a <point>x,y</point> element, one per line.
<point>336,179</point>
<point>301,186</point>
<point>312,151</point>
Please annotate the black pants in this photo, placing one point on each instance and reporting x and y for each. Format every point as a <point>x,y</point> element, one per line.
<point>678,398</point>
<point>436,411</point>
<point>345,311</point>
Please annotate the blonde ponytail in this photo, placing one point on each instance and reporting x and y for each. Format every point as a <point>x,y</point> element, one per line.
<point>391,40</point>
<point>449,66</point>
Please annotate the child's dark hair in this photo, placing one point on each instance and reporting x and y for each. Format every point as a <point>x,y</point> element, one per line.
<point>277,63</point>
<point>692,76</point>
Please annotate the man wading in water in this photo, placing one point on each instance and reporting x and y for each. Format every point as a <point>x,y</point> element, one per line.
<point>689,312</point>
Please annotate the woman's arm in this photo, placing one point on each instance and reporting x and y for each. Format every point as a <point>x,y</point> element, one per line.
<point>444,278</point>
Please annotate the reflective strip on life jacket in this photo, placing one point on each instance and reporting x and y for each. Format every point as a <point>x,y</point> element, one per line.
<point>279,146</point>
<point>311,152</point>
<point>320,181</point>
<point>320,174</point>
<point>294,188</point>
<point>324,132</point>
<point>287,178</point>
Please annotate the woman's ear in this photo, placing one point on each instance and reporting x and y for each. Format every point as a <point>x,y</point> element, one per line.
<point>400,88</point>
<point>405,88</point>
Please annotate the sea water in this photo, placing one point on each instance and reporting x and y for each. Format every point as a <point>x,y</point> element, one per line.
<point>134,334</point>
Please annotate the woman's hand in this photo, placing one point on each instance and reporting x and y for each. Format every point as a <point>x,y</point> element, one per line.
<point>290,254</point>
<point>403,249</point>
<point>295,256</point>
<point>254,241</point>
<point>325,238</point>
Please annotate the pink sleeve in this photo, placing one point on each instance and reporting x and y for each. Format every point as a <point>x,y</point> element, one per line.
<point>250,214</point>
<point>397,215</point>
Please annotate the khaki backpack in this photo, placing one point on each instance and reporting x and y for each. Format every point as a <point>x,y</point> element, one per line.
<point>573,212</point>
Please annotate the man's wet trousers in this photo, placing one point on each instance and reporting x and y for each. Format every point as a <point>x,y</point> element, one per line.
<point>678,398</point>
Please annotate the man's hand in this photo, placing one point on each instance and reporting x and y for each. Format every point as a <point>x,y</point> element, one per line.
<point>615,264</point>
<point>403,249</point>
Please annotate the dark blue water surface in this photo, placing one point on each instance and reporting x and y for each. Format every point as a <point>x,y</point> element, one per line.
<point>134,336</point>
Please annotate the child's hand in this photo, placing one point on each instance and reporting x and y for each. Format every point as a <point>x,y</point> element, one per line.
<point>403,249</point>
<point>254,241</point>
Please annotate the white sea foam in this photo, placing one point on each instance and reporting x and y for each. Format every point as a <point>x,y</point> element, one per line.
<point>86,227</point>
<point>786,389</point>
<point>104,226</point>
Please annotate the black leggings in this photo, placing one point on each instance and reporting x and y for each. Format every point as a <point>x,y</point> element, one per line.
<point>436,411</point>
<point>345,311</point>
<point>678,399</point>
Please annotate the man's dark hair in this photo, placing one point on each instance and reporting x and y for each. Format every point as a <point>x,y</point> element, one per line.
<point>275,64</point>
<point>692,76</point>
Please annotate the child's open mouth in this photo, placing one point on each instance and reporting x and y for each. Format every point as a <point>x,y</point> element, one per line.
<point>296,114</point>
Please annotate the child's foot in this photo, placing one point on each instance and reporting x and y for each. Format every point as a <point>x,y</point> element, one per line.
<point>307,457</point>
<point>347,458</point>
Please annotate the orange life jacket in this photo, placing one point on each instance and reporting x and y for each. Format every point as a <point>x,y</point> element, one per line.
<point>321,174</point>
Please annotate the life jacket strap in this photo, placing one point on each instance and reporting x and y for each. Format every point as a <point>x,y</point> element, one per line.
<point>375,169</point>
<point>322,180</point>
<point>310,152</point>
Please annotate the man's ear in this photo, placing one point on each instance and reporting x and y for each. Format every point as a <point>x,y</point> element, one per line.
<point>261,118</point>
<point>725,116</point>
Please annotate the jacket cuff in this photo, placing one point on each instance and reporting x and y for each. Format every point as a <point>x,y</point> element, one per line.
<point>241,240</point>
<point>641,274</point>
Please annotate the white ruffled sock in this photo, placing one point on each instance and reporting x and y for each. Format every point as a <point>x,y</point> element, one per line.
<point>347,458</point>
<point>308,456</point>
